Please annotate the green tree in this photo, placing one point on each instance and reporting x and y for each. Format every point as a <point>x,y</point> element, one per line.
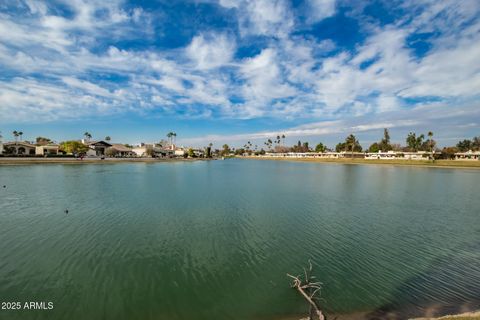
<point>449,152</point>
<point>74,147</point>
<point>414,143</point>
<point>476,143</point>
<point>208,150</point>
<point>464,145</point>
<point>320,147</point>
<point>191,153</point>
<point>305,147</point>
<point>240,151</point>
<point>42,141</point>
<point>353,144</point>
<point>107,138</point>
<point>430,143</point>
<point>385,142</point>
<point>225,150</point>
<point>341,146</point>
<point>374,148</point>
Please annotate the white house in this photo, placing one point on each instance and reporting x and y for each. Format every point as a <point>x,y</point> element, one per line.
<point>468,156</point>
<point>20,148</point>
<point>52,149</point>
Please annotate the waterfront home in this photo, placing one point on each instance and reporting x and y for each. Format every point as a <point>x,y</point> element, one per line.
<point>19,148</point>
<point>179,152</point>
<point>469,155</point>
<point>143,150</point>
<point>380,155</point>
<point>419,155</point>
<point>97,148</point>
<point>326,155</point>
<point>48,149</point>
<point>121,150</point>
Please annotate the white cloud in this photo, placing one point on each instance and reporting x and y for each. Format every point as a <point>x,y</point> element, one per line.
<point>209,51</point>
<point>262,17</point>
<point>320,9</point>
<point>294,76</point>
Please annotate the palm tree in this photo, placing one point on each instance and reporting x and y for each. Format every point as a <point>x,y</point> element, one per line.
<point>352,142</point>
<point>15,135</point>
<point>20,133</point>
<point>107,138</point>
<point>169,136</point>
<point>87,136</point>
<point>283,139</point>
<point>174,134</point>
<point>430,142</point>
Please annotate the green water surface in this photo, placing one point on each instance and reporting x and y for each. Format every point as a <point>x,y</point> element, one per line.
<point>215,239</point>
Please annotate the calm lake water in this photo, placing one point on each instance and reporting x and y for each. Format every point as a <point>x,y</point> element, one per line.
<point>214,240</point>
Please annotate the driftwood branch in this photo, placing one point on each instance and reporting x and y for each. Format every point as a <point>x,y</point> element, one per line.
<point>308,290</point>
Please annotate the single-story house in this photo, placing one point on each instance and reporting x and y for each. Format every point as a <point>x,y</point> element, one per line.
<point>19,148</point>
<point>121,150</point>
<point>141,151</point>
<point>97,148</point>
<point>49,149</point>
<point>380,155</point>
<point>179,152</point>
<point>419,155</point>
<point>469,155</point>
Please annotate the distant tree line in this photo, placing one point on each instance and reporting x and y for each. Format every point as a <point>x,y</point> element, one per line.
<point>413,142</point>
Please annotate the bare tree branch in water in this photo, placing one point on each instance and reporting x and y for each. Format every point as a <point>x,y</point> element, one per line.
<point>308,289</point>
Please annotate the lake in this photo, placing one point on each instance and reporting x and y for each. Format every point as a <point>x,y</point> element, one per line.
<point>215,239</point>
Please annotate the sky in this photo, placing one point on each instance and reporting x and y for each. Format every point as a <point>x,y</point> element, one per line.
<point>232,71</point>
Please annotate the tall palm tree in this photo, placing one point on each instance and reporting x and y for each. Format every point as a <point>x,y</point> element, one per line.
<point>283,139</point>
<point>430,142</point>
<point>87,136</point>
<point>20,133</point>
<point>351,142</point>
<point>169,136</point>
<point>15,135</point>
<point>174,134</point>
<point>108,138</point>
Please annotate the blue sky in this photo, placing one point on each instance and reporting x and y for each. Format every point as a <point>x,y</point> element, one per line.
<point>236,70</point>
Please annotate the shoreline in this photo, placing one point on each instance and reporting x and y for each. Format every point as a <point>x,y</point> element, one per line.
<point>14,161</point>
<point>470,315</point>
<point>447,164</point>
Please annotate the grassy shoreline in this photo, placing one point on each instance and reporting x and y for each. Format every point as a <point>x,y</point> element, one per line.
<point>415,163</point>
<point>74,161</point>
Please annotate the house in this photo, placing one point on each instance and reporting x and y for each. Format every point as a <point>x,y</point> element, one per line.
<point>380,155</point>
<point>121,150</point>
<point>19,148</point>
<point>97,148</point>
<point>179,152</point>
<point>145,150</point>
<point>419,155</point>
<point>468,156</point>
<point>140,151</point>
<point>48,149</point>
